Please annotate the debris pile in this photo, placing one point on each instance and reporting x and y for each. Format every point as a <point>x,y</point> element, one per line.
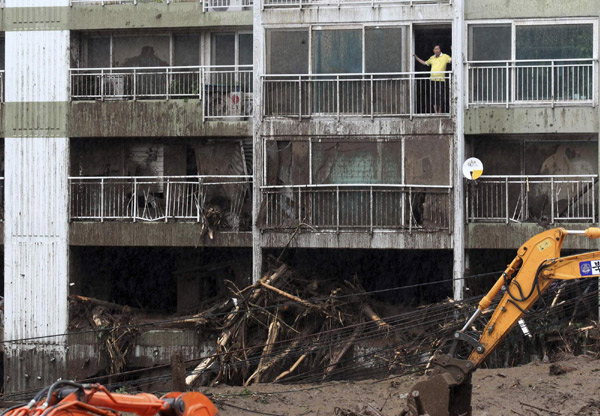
<point>288,328</point>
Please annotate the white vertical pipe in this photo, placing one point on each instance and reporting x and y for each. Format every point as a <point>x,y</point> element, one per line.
<point>458,30</point>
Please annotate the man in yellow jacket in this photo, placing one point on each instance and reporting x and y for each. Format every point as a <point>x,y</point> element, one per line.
<point>438,63</point>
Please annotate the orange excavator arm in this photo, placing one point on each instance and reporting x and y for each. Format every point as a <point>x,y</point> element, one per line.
<point>447,392</point>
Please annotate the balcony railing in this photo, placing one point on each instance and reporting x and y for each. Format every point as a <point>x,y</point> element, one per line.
<point>366,95</point>
<point>341,3</point>
<point>356,207</point>
<point>225,91</point>
<point>218,201</point>
<point>526,82</point>
<point>538,198</point>
<point>207,5</point>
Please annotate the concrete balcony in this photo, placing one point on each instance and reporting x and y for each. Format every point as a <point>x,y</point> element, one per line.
<point>504,211</point>
<point>161,211</point>
<point>181,101</point>
<point>546,96</point>
<point>357,216</point>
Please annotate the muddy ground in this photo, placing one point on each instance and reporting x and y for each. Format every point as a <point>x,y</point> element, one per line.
<point>528,390</point>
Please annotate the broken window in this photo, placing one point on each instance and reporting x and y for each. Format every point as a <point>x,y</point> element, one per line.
<point>141,51</point>
<point>98,52</point>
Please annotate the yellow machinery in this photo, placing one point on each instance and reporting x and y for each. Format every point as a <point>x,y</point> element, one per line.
<point>447,391</point>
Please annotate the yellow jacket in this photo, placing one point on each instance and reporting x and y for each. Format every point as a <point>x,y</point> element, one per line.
<point>438,66</point>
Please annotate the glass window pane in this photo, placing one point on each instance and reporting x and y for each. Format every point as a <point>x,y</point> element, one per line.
<point>337,51</point>
<point>245,49</point>
<point>141,51</point>
<point>223,49</point>
<point>98,52</point>
<point>555,42</point>
<point>287,51</point>
<point>383,49</point>
<point>187,50</point>
<point>490,43</point>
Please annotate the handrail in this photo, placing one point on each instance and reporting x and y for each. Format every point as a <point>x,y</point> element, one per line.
<point>365,185</point>
<point>165,67</point>
<point>532,60</point>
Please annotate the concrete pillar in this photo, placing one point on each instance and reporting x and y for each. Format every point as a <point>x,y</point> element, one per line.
<point>36,170</point>
<point>257,105</point>
<point>458,39</point>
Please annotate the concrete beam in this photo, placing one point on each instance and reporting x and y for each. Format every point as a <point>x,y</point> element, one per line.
<point>503,9</point>
<point>155,234</point>
<point>361,127</point>
<point>362,240</point>
<point>540,120</point>
<point>162,118</point>
<point>512,236</point>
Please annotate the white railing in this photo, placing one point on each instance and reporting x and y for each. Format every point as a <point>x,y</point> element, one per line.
<point>341,3</point>
<point>226,91</point>
<point>554,82</point>
<point>536,198</point>
<point>2,198</point>
<point>369,95</point>
<point>207,5</point>
<point>356,207</point>
<point>219,201</point>
<point>2,86</point>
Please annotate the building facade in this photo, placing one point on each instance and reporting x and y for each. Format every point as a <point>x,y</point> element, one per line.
<point>154,149</point>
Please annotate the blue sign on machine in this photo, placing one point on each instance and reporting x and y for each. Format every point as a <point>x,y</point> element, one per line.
<point>589,268</point>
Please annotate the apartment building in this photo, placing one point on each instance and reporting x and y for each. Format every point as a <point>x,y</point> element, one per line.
<point>154,149</point>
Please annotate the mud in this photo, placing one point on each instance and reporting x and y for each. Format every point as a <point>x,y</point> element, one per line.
<point>528,390</point>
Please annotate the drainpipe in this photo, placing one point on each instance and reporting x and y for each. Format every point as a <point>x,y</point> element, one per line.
<point>458,240</point>
<point>257,154</point>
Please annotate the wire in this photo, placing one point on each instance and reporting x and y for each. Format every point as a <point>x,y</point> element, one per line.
<point>213,315</point>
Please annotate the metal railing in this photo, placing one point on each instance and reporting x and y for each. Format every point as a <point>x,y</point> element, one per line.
<point>356,207</point>
<point>2,98</point>
<point>523,82</point>
<point>207,5</point>
<point>1,198</point>
<point>219,201</point>
<point>537,198</point>
<point>368,95</point>
<point>340,3</point>
<point>225,90</point>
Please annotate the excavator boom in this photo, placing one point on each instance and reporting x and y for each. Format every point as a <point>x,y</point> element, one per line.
<point>447,390</point>
<point>68,398</point>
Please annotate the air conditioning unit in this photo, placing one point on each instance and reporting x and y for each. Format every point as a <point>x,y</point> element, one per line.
<point>114,86</point>
<point>227,5</point>
<point>234,103</point>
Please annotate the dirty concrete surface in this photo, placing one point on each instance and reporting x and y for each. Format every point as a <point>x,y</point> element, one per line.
<point>527,390</point>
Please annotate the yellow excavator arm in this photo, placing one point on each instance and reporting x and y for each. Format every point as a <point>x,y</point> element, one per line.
<point>447,391</point>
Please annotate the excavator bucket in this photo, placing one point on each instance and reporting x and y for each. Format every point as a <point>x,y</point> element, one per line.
<point>446,391</point>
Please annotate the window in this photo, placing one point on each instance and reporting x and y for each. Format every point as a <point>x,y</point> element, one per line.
<point>186,50</point>
<point>490,42</point>
<point>337,51</point>
<point>287,51</point>
<point>231,48</point>
<point>555,42</point>
<point>383,49</point>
